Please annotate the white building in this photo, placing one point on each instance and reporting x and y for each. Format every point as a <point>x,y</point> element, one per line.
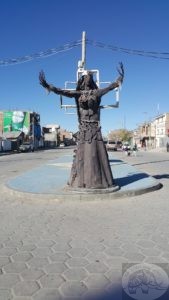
<point>50,132</point>
<point>161,123</point>
<point>155,133</point>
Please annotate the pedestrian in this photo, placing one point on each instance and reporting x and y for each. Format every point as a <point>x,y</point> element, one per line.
<point>135,149</point>
<point>167,145</point>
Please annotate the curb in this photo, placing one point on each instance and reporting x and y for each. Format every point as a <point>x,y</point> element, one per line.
<point>49,181</point>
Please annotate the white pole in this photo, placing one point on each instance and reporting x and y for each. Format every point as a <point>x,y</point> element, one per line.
<point>83,48</point>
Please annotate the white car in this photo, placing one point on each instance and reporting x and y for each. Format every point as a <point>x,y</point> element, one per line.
<point>126,147</point>
<point>62,145</point>
<point>111,146</point>
<point>26,147</point>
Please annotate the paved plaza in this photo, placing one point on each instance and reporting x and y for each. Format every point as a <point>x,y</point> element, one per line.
<point>53,246</point>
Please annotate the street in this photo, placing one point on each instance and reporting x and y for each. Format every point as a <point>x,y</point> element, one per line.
<point>54,249</point>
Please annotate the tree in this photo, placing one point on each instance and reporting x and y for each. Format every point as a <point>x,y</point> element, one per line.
<point>120,135</point>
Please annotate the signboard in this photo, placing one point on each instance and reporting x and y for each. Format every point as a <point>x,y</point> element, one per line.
<point>16,121</point>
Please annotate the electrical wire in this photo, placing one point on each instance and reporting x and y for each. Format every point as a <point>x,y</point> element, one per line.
<point>151,54</point>
<point>69,46</point>
<point>41,54</point>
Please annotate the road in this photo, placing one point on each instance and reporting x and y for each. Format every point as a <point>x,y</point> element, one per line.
<point>54,249</point>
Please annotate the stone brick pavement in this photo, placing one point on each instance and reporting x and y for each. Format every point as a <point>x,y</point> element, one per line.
<point>54,249</point>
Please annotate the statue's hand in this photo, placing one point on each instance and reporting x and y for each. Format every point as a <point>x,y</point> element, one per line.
<point>121,73</point>
<point>43,81</point>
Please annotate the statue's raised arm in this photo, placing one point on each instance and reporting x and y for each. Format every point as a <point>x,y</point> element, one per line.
<point>121,73</point>
<point>56,90</point>
<point>115,84</point>
<point>42,80</point>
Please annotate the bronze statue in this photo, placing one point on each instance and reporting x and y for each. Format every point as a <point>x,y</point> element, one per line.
<point>90,168</point>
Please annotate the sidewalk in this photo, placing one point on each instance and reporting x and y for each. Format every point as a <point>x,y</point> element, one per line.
<point>51,179</point>
<point>80,250</point>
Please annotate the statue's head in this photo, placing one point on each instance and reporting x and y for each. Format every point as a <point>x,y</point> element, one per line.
<point>86,82</point>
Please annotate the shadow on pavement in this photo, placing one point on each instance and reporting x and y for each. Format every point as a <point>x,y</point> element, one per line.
<point>130,179</point>
<point>117,293</point>
<point>150,162</point>
<point>116,161</point>
<point>162,176</point>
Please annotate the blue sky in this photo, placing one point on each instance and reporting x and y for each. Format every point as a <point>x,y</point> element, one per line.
<point>32,26</point>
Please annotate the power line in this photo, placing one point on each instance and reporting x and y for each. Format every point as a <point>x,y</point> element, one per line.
<point>41,54</point>
<point>69,46</point>
<point>151,54</point>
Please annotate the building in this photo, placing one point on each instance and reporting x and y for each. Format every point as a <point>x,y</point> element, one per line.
<point>66,137</point>
<point>12,140</point>
<point>14,122</point>
<point>161,124</point>
<point>51,135</point>
<point>153,134</point>
<point>1,122</point>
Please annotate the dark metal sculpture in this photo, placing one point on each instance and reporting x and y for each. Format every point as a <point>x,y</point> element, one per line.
<point>90,168</point>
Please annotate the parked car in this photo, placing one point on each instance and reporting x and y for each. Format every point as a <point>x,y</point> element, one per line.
<point>111,146</point>
<point>126,147</point>
<point>62,145</point>
<point>119,144</point>
<point>26,147</point>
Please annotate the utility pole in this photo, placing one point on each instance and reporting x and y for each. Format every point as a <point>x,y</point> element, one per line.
<point>83,49</point>
<point>82,62</point>
<point>124,122</point>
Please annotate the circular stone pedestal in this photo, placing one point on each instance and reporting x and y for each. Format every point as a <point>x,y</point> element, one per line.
<point>111,189</point>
